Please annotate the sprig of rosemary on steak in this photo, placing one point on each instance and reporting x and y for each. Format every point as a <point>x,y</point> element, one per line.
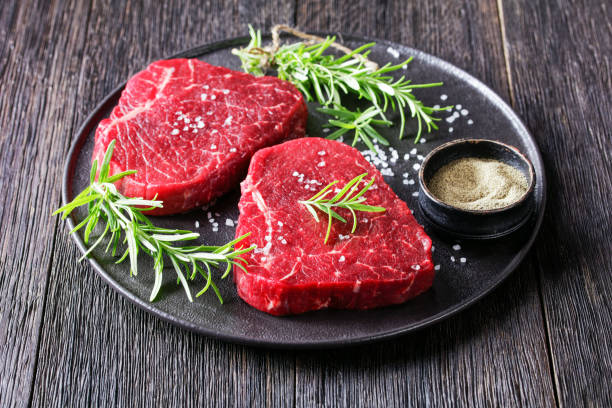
<point>345,198</point>
<point>326,78</point>
<point>123,216</point>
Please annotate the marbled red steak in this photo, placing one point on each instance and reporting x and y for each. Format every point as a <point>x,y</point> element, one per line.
<point>386,261</point>
<point>190,128</point>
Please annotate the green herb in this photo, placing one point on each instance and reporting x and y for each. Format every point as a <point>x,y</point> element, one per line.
<point>325,78</point>
<point>123,215</point>
<point>345,198</point>
<point>360,122</point>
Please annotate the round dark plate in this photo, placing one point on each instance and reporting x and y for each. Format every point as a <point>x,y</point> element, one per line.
<point>457,284</point>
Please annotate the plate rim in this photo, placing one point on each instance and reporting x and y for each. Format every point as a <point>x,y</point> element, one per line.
<point>92,120</point>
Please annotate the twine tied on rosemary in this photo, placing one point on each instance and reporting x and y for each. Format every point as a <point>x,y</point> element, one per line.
<point>310,39</point>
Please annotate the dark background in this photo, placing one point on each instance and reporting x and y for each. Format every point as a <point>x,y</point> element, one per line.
<point>541,339</point>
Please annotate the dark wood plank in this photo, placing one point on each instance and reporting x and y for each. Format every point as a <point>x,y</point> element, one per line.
<point>480,357</point>
<point>559,55</point>
<point>96,348</point>
<point>37,79</point>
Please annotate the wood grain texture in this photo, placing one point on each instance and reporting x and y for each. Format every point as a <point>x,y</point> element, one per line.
<point>37,80</point>
<point>96,349</point>
<point>460,362</point>
<point>559,54</point>
<point>541,339</point>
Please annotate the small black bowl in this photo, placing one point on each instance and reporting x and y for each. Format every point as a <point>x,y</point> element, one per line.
<point>475,224</point>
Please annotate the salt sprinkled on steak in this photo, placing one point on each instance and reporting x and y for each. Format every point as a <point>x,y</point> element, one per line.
<point>386,261</point>
<point>190,129</point>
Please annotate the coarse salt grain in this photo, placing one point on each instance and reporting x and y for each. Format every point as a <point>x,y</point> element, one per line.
<point>453,258</point>
<point>456,247</point>
<point>470,122</point>
<point>229,223</point>
<point>197,224</point>
<point>342,259</point>
<point>415,194</point>
<point>416,166</point>
<point>174,132</point>
<point>437,267</point>
<point>464,112</point>
<point>462,260</point>
<point>233,149</point>
<point>443,97</point>
<point>393,52</point>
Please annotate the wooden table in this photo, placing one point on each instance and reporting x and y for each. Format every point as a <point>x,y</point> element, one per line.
<point>541,339</point>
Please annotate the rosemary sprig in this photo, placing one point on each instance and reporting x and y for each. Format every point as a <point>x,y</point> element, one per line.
<point>325,78</point>
<point>123,216</point>
<point>360,122</point>
<point>345,198</point>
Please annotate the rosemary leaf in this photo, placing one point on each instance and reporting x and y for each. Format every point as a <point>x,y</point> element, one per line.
<point>345,198</point>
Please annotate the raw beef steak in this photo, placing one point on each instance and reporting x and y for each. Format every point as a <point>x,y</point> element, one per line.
<point>190,128</point>
<point>386,261</point>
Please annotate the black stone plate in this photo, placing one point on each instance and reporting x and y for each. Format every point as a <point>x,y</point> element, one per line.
<point>457,285</point>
